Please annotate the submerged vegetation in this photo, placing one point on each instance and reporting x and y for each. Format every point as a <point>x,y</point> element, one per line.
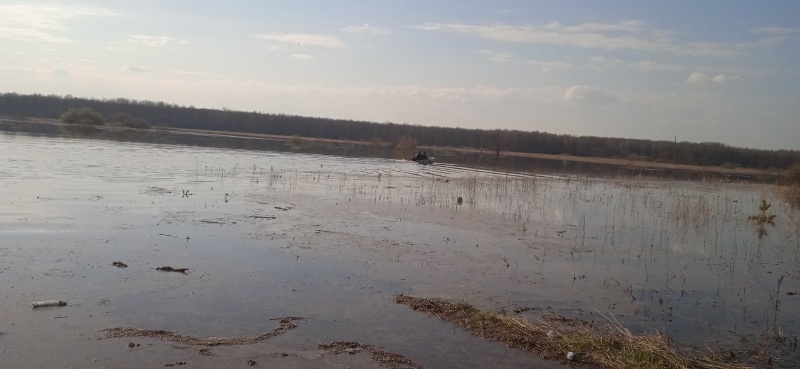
<point>609,346</point>
<point>762,219</point>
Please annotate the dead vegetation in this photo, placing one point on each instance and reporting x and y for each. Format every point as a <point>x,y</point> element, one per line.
<point>611,346</point>
<point>383,358</point>
<point>171,269</point>
<point>284,324</point>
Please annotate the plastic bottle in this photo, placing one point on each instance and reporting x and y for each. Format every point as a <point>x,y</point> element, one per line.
<point>49,303</point>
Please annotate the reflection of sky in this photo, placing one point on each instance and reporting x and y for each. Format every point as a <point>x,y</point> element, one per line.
<point>604,239</point>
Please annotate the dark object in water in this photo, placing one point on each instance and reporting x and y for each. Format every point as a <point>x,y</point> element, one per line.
<point>119,264</point>
<point>49,303</point>
<point>171,269</point>
<point>423,161</point>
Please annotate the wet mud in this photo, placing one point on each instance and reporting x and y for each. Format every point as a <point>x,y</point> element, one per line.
<point>384,358</point>
<point>284,325</point>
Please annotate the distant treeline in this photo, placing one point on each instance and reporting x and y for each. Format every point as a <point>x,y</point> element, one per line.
<point>176,116</point>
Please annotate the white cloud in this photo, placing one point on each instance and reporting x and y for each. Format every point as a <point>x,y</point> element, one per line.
<point>41,22</point>
<point>698,78</point>
<point>587,94</point>
<point>134,68</point>
<point>545,66</point>
<point>703,79</point>
<point>722,78</point>
<point>600,63</point>
<point>366,28</point>
<point>302,56</point>
<point>650,65</point>
<point>303,39</point>
<point>630,35</point>
<point>154,41</point>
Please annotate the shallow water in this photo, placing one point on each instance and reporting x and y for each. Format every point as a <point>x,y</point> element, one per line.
<point>331,238</point>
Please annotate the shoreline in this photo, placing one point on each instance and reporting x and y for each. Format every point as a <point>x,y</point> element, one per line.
<point>618,162</point>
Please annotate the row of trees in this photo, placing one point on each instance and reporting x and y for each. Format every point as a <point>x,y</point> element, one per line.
<point>88,117</point>
<point>171,115</point>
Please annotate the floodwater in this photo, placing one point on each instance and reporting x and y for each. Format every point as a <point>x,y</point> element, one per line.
<point>331,234</point>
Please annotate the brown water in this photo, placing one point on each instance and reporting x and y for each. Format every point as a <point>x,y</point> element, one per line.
<point>268,234</point>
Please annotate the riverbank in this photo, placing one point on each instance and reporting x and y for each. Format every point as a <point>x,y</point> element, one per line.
<point>763,174</point>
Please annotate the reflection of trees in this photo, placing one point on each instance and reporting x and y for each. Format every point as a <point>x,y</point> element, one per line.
<point>131,135</point>
<point>80,131</point>
<point>175,116</point>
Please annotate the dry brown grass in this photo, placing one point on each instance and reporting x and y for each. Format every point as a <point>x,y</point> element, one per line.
<point>790,193</point>
<point>611,346</point>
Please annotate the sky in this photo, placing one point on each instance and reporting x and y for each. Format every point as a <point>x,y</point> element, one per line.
<point>703,71</point>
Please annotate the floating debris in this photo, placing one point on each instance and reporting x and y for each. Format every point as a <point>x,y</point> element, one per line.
<point>49,303</point>
<point>171,269</point>
<point>250,362</point>
<point>383,358</point>
<point>285,324</point>
<point>178,363</point>
<point>119,264</point>
<point>206,352</point>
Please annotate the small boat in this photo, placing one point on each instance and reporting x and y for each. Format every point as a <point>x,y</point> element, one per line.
<point>424,161</point>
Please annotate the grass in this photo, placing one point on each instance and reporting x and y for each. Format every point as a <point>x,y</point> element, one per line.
<point>609,346</point>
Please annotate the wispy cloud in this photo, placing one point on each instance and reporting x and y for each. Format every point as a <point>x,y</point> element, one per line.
<point>771,36</point>
<point>601,63</point>
<point>545,66</point>
<point>302,56</point>
<point>584,94</point>
<point>303,39</point>
<point>629,35</point>
<point>134,68</point>
<point>154,41</point>
<point>703,79</point>
<point>366,28</point>
<point>43,23</point>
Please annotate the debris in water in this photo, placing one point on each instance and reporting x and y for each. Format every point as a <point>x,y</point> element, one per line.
<point>119,264</point>
<point>383,358</point>
<point>49,303</point>
<point>251,363</point>
<point>206,352</point>
<point>178,363</point>
<point>284,325</point>
<point>171,269</point>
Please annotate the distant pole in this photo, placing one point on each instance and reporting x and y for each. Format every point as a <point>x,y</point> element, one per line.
<point>675,150</point>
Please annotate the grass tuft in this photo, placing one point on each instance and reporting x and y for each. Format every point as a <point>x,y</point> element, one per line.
<point>614,348</point>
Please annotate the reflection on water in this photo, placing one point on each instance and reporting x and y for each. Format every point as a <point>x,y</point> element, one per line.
<point>474,160</point>
<point>683,257</point>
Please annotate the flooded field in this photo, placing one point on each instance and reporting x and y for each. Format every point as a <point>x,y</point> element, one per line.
<point>274,234</point>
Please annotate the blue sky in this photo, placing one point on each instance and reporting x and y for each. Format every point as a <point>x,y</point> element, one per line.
<point>721,71</point>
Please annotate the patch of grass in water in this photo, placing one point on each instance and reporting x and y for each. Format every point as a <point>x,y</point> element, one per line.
<point>614,348</point>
